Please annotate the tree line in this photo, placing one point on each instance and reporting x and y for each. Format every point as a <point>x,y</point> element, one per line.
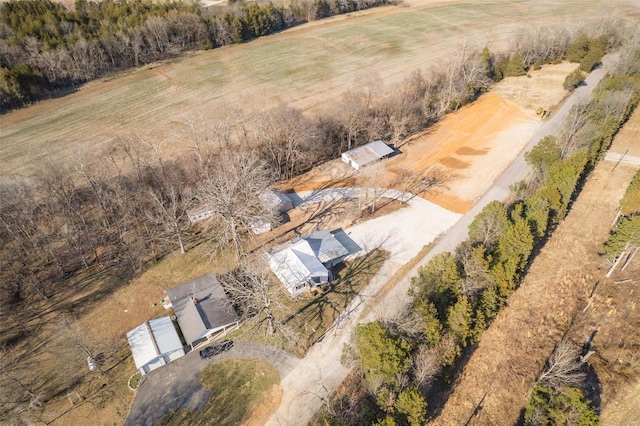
<point>624,241</point>
<point>455,297</point>
<point>46,47</point>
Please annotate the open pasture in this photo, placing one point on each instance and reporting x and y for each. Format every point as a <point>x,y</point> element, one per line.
<point>307,67</point>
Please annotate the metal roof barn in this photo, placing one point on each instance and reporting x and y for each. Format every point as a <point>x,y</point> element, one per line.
<point>367,154</point>
<point>154,343</point>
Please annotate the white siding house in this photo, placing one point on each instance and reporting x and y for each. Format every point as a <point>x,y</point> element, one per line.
<point>307,261</point>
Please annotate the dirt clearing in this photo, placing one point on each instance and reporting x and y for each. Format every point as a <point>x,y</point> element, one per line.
<point>469,149</point>
<point>495,383</point>
<point>307,67</point>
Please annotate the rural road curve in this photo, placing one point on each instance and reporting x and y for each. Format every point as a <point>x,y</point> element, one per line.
<point>320,372</point>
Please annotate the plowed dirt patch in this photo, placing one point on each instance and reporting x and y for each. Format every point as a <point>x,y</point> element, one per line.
<point>469,149</point>
<point>538,89</point>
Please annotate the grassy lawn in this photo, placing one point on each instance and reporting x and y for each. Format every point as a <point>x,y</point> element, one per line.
<point>238,387</point>
<point>310,317</point>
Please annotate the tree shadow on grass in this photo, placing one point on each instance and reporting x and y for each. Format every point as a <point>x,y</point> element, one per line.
<point>321,312</point>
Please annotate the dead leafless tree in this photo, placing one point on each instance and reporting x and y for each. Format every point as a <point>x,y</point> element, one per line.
<point>426,366</point>
<point>569,140</point>
<point>232,192</point>
<point>259,298</point>
<point>564,367</point>
<point>475,268</point>
<point>168,210</point>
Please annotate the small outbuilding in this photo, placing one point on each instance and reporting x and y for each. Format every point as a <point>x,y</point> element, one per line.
<point>200,213</point>
<point>154,344</point>
<point>307,262</point>
<point>202,308</point>
<point>367,154</point>
<point>275,201</point>
<point>275,204</point>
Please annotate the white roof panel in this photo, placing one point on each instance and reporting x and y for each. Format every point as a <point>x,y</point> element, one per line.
<point>148,342</point>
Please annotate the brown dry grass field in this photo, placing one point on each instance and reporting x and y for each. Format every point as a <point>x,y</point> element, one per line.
<point>495,383</point>
<point>308,67</point>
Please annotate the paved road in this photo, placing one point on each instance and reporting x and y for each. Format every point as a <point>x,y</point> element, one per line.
<point>177,385</point>
<point>500,190</point>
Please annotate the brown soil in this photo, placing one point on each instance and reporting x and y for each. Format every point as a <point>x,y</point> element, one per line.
<point>495,383</point>
<point>532,91</point>
<point>468,149</point>
<point>263,412</point>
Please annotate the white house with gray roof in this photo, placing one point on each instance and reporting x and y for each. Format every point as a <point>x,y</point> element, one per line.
<point>307,261</point>
<point>202,308</point>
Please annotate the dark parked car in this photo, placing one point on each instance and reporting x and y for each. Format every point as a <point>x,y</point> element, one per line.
<point>210,351</point>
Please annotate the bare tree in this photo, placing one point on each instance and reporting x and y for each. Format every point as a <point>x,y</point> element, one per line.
<point>288,138</point>
<point>475,268</point>
<point>564,367</point>
<point>258,297</point>
<point>568,140</point>
<point>375,178</point>
<point>353,114</point>
<point>458,79</point>
<point>168,209</point>
<point>426,366</point>
<point>232,192</point>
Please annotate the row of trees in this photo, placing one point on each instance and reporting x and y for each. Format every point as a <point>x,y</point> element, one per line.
<point>624,241</point>
<point>45,46</point>
<point>456,295</point>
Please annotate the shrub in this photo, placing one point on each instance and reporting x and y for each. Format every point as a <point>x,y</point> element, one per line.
<point>573,80</point>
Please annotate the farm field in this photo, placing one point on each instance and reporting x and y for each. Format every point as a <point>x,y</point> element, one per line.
<point>307,67</point>
<point>495,383</point>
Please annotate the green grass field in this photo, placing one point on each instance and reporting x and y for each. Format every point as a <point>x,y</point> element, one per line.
<point>238,386</point>
<point>308,67</point>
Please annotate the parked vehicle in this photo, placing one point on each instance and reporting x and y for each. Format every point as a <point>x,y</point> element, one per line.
<point>210,351</point>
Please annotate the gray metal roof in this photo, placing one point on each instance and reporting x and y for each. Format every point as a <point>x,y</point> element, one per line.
<point>369,153</point>
<point>303,258</point>
<point>325,246</point>
<point>201,307</point>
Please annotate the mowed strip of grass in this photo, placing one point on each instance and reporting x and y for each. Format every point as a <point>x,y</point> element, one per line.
<point>237,386</point>
<point>308,67</point>
<point>312,316</point>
